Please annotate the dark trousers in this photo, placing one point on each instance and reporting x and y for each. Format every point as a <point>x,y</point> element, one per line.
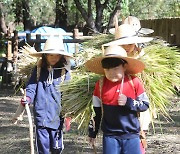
<point>112,145</point>
<point>48,139</point>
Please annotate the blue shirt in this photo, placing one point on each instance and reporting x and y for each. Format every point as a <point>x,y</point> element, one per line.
<point>46,98</point>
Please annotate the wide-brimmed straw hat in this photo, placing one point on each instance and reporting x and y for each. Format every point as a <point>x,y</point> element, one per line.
<point>125,34</point>
<point>135,22</point>
<point>134,66</point>
<point>53,45</point>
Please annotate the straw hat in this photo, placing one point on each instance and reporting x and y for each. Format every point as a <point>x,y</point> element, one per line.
<point>134,66</point>
<point>53,45</point>
<point>135,22</point>
<point>125,34</point>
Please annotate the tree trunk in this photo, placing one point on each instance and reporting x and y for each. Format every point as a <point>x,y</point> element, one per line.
<point>26,15</point>
<point>99,14</point>
<point>18,11</point>
<point>61,14</point>
<point>3,27</point>
<point>97,25</point>
<point>87,15</point>
<point>113,14</point>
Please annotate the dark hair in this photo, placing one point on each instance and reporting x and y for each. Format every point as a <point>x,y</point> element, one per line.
<point>61,63</point>
<point>112,62</point>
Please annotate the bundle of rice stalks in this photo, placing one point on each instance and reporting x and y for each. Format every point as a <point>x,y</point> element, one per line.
<point>25,64</point>
<point>161,74</point>
<point>98,40</point>
<point>162,69</point>
<point>77,97</point>
<point>26,61</point>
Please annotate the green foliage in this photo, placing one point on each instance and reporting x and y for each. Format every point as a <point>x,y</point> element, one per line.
<point>8,6</point>
<point>43,11</point>
<point>73,14</point>
<point>150,9</point>
<point>125,8</point>
<point>3,45</point>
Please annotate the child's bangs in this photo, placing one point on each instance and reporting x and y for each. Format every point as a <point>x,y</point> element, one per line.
<point>112,62</point>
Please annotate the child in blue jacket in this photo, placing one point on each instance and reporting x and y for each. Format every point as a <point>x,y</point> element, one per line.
<point>43,91</point>
<point>117,99</point>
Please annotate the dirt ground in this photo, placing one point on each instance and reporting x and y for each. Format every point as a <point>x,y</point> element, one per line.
<point>14,139</point>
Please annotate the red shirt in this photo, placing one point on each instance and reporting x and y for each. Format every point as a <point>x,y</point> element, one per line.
<point>119,121</point>
<point>111,90</point>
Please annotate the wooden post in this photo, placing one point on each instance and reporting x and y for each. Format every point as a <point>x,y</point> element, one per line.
<point>75,36</point>
<point>9,59</point>
<point>38,42</point>
<point>28,38</point>
<point>9,50</point>
<point>15,47</point>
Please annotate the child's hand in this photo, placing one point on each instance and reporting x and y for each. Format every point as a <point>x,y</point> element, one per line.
<point>122,99</point>
<point>92,141</point>
<point>67,123</point>
<point>25,101</point>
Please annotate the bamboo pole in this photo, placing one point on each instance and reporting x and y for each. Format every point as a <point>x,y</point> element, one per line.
<point>94,149</point>
<point>30,124</point>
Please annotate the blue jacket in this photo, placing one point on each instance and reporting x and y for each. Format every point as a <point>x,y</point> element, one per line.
<point>46,98</point>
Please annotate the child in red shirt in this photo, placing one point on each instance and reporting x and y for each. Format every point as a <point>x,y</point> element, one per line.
<point>116,100</point>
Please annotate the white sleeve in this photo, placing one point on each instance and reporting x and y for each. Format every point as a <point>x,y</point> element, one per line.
<point>145,119</point>
<point>96,101</point>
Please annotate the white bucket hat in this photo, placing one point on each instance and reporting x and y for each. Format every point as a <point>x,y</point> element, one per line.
<point>134,66</point>
<point>53,45</point>
<point>125,34</point>
<point>135,22</point>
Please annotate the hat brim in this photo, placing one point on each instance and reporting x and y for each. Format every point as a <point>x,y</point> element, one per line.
<point>146,31</point>
<point>134,66</point>
<point>129,40</point>
<point>112,31</point>
<point>60,52</point>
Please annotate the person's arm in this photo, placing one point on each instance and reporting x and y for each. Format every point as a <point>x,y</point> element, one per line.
<point>30,92</point>
<point>96,120</point>
<point>67,76</point>
<point>141,103</point>
<point>95,123</point>
<point>31,86</point>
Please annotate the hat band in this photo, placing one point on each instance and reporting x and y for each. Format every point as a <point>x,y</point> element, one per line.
<point>115,55</point>
<point>112,55</point>
<point>138,32</point>
<point>126,37</point>
<point>53,50</point>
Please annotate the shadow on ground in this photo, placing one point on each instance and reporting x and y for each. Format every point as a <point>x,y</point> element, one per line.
<point>15,138</point>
